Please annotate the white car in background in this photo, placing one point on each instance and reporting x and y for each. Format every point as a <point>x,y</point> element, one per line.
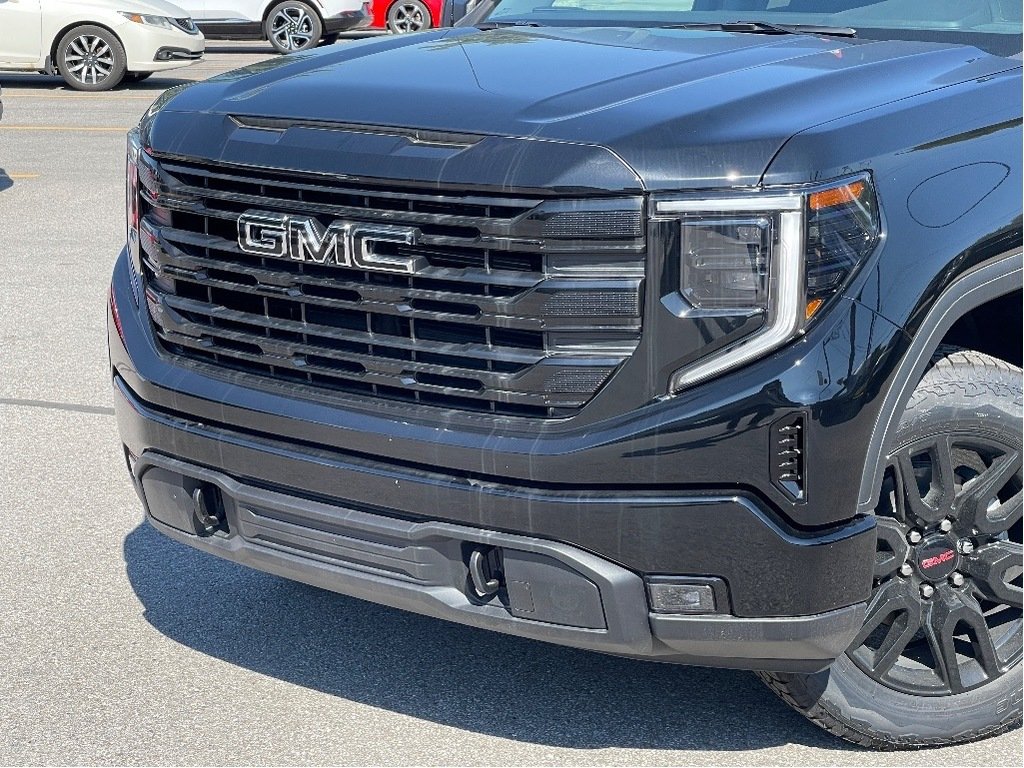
<point>96,44</point>
<point>289,25</point>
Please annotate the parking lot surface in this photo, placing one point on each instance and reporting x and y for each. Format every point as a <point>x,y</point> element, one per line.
<point>120,646</point>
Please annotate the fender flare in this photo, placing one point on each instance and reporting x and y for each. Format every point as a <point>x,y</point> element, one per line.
<point>998,277</point>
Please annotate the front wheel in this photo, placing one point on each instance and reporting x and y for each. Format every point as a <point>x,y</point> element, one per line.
<point>293,26</point>
<point>938,661</point>
<point>408,16</point>
<point>91,58</point>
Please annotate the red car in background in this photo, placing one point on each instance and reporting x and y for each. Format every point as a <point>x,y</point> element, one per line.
<point>402,16</point>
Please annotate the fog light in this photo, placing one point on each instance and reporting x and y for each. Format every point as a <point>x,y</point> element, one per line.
<point>667,597</point>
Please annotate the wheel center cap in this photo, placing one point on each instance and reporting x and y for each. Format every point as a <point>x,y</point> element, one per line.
<point>936,557</point>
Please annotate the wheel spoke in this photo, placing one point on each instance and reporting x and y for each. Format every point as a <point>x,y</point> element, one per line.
<point>988,564</point>
<point>909,500</point>
<point>938,631</point>
<point>892,534</point>
<point>939,498</point>
<point>979,502</point>
<point>981,636</point>
<point>893,597</point>
<point>902,630</point>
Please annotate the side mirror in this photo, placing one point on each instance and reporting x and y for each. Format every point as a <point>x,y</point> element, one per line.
<point>453,10</point>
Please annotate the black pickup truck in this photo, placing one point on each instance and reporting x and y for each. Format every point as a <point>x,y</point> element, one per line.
<point>685,331</point>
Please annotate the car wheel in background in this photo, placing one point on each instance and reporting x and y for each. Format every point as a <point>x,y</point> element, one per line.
<point>408,16</point>
<point>91,58</point>
<point>293,26</point>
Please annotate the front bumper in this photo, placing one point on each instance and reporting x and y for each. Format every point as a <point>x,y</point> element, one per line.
<point>340,514</point>
<point>551,591</point>
<point>149,48</point>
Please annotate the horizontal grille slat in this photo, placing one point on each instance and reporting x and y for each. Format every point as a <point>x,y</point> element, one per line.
<point>473,384</point>
<point>566,306</point>
<point>229,250</point>
<point>504,312</point>
<point>456,235</point>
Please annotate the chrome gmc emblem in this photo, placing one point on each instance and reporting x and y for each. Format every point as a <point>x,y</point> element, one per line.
<point>343,243</point>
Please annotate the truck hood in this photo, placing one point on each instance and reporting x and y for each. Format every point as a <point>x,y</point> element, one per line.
<point>601,108</point>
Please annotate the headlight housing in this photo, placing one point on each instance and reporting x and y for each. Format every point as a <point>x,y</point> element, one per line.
<point>163,22</point>
<point>759,268</point>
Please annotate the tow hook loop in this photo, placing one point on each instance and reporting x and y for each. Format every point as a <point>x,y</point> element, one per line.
<point>479,572</point>
<point>205,511</point>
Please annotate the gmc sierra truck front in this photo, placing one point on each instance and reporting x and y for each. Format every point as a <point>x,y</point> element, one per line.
<point>649,333</point>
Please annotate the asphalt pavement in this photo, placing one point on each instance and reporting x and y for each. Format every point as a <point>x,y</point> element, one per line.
<point>118,646</point>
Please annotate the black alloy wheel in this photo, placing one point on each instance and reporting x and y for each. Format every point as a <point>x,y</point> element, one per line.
<point>945,616</point>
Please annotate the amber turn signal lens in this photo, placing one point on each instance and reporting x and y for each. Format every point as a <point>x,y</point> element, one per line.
<point>829,198</point>
<point>813,306</point>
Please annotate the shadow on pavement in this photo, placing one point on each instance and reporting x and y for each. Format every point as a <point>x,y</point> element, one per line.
<point>449,674</point>
<point>156,83</point>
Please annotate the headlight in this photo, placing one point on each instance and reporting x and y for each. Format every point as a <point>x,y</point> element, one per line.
<point>163,22</point>
<point>760,268</point>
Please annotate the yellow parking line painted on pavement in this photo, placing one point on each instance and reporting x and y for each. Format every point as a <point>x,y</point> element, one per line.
<point>22,176</point>
<point>83,128</point>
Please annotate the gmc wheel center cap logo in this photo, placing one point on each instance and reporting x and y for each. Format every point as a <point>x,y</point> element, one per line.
<point>343,243</point>
<point>937,557</point>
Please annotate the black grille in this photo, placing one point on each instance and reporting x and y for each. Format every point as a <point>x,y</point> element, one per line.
<point>520,305</point>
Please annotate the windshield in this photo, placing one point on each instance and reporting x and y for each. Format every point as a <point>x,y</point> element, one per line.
<point>994,25</point>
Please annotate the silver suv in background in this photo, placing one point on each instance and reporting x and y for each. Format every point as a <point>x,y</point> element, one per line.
<point>288,25</point>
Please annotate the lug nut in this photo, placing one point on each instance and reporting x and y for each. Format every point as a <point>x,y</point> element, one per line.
<point>966,546</point>
<point>946,525</point>
<point>956,579</point>
<point>927,590</point>
<point>914,537</point>
<point>906,570</point>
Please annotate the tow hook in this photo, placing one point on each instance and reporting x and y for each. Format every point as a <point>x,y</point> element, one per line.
<point>482,567</point>
<point>206,510</point>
